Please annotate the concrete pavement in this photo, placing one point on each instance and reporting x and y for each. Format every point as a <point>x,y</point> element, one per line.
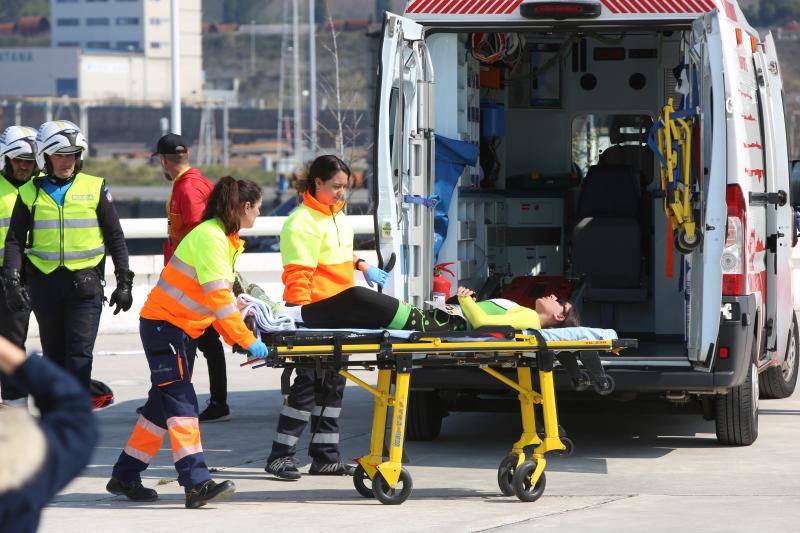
<point>637,466</point>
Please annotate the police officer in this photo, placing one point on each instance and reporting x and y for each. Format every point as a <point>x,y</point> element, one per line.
<point>17,165</point>
<point>63,223</point>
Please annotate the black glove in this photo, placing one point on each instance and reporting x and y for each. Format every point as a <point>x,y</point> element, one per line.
<point>17,297</point>
<point>122,297</point>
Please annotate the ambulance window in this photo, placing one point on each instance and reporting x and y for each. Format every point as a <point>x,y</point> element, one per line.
<point>594,134</point>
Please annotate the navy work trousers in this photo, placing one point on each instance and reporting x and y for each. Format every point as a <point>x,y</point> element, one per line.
<point>171,408</point>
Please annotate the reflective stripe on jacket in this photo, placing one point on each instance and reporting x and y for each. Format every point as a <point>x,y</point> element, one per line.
<point>67,235</point>
<point>194,290</point>
<point>316,251</point>
<point>8,197</point>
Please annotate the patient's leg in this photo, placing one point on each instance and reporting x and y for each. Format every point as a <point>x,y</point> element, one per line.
<point>359,307</point>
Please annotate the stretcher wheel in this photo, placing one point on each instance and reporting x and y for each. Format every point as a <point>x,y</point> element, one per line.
<point>684,245</point>
<point>608,389</point>
<point>363,483</point>
<point>505,474</point>
<point>392,496</point>
<point>570,447</point>
<point>522,483</point>
<point>583,383</point>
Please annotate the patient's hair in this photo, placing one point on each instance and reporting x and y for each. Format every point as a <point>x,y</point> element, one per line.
<point>571,318</point>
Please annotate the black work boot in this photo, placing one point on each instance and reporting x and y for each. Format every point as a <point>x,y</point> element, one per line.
<point>283,467</point>
<point>215,412</point>
<point>208,491</point>
<point>331,469</point>
<point>134,491</point>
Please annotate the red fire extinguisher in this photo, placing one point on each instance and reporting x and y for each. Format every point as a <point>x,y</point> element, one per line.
<point>442,285</point>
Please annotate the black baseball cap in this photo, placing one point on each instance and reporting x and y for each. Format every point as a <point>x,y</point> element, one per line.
<point>171,144</point>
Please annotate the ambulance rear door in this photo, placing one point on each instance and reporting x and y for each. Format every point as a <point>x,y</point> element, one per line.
<point>715,113</point>
<point>779,211</point>
<point>404,159</point>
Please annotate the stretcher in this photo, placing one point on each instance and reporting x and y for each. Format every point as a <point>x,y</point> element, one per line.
<point>380,473</point>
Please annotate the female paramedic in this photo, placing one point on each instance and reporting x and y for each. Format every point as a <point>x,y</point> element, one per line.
<point>193,293</point>
<point>318,262</point>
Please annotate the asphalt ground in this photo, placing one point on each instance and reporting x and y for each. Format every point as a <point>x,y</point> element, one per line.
<point>637,466</point>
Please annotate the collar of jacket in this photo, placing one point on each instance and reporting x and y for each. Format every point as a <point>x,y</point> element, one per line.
<point>183,173</point>
<point>234,238</point>
<point>329,210</point>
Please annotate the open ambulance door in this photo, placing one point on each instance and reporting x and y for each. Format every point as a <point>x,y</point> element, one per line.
<point>404,159</point>
<point>704,276</point>
<point>779,212</point>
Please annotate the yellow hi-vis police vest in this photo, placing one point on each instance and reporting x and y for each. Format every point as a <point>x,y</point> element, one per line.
<point>8,197</point>
<point>67,235</point>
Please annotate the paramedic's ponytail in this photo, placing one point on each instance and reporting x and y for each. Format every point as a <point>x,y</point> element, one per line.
<point>227,201</point>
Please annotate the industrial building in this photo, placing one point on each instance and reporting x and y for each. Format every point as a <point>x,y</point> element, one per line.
<point>109,50</point>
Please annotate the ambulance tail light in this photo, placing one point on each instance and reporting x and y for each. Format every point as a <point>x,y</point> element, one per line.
<point>561,10</point>
<point>733,262</point>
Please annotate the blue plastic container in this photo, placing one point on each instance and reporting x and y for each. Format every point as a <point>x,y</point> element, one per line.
<point>493,119</point>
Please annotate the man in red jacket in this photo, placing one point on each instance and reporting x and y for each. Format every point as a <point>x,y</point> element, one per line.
<point>190,192</point>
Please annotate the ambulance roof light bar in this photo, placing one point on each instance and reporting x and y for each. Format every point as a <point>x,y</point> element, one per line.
<point>534,9</point>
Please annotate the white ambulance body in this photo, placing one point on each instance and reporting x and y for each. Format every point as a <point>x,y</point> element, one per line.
<point>718,324</point>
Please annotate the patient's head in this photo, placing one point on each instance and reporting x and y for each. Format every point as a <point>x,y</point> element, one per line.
<point>556,312</point>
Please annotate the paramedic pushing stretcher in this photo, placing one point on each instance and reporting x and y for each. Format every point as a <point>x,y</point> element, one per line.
<point>192,294</point>
<point>318,262</point>
<point>63,223</point>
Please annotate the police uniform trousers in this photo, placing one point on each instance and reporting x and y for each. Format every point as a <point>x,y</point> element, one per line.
<point>68,315</point>
<point>14,327</point>
<point>171,408</point>
<point>314,397</point>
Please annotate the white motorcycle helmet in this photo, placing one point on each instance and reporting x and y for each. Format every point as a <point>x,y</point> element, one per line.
<point>17,142</point>
<point>59,137</point>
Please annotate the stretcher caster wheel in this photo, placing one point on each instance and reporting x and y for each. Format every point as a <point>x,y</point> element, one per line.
<point>363,483</point>
<point>570,447</point>
<point>523,488</point>
<point>609,387</point>
<point>392,496</point>
<point>686,246</point>
<point>583,383</point>
<point>505,474</point>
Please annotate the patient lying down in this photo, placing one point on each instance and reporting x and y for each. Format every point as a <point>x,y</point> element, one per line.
<point>359,307</point>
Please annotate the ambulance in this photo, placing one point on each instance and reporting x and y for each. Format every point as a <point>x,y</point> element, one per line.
<point>518,140</point>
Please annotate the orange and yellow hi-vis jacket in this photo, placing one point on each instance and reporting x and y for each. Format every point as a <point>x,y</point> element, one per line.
<point>316,251</point>
<point>194,290</point>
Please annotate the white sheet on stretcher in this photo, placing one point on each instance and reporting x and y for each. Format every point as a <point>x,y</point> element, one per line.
<point>581,333</point>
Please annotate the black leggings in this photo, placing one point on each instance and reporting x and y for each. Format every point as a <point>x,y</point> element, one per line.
<point>359,307</point>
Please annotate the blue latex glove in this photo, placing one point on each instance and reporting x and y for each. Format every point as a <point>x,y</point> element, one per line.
<point>257,350</point>
<point>376,275</point>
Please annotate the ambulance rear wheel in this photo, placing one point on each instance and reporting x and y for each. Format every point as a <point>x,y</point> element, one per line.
<point>523,488</point>
<point>505,474</point>
<point>686,246</point>
<point>424,415</point>
<point>363,483</point>
<point>392,496</point>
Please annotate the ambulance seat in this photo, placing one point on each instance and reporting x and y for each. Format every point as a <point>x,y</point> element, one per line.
<point>606,240</point>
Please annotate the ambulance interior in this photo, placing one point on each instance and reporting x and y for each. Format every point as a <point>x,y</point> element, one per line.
<point>566,185</point>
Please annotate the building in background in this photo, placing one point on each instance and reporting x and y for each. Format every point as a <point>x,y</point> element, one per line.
<point>109,50</point>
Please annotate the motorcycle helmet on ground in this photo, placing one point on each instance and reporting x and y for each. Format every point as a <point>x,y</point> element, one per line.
<point>59,137</point>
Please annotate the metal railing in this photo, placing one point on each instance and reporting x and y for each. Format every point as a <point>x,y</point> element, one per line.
<point>156,228</point>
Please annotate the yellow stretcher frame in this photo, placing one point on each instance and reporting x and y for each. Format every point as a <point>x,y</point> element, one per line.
<point>517,474</point>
